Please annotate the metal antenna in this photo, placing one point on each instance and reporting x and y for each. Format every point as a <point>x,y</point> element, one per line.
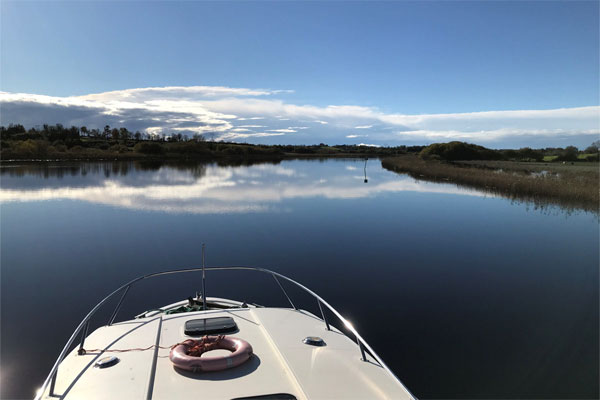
<point>203,277</point>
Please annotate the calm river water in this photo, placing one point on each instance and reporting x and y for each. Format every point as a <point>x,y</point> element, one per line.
<point>463,294</point>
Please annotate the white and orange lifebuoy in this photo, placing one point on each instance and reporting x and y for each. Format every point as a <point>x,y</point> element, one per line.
<point>186,355</point>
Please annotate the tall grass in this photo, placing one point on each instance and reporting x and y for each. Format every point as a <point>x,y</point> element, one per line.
<point>570,186</point>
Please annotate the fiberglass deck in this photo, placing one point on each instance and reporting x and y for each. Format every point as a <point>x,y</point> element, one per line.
<point>281,362</point>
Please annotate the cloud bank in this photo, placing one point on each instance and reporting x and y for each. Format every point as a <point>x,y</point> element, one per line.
<point>259,115</point>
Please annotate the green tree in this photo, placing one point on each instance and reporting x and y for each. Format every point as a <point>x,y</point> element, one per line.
<point>124,134</point>
<point>568,154</point>
<point>594,147</point>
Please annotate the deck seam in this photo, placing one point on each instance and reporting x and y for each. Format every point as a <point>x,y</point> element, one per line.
<point>283,359</point>
<point>154,361</point>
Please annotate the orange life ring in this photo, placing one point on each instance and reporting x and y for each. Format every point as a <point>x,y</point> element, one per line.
<point>181,354</point>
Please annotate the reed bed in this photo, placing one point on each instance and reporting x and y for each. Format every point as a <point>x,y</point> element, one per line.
<point>567,185</point>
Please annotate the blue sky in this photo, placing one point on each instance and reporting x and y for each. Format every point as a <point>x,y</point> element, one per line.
<point>392,61</point>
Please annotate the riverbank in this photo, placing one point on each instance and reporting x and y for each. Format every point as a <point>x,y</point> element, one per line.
<point>38,150</point>
<point>572,185</point>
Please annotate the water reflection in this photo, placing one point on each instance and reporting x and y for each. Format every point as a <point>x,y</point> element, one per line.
<point>207,188</point>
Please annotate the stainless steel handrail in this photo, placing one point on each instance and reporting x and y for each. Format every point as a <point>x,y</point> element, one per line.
<point>362,344</point>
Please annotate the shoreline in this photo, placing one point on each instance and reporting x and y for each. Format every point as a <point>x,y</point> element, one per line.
<point>208,158</point>
<point>573,185</point>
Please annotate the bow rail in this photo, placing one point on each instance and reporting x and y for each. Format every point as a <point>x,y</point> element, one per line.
<point>84,324</point>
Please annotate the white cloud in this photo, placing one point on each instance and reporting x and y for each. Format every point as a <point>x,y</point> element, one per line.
<point>231,136</point>
<point>249,119</point>
<point>178,92</point>
<point>287,130</point>
<point>368,145</point>
<point>206,109</point>
<point>490,135</point>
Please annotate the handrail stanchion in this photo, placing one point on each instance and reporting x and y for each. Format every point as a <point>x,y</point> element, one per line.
<point>284,292</point>
<point>203,277</point>
<point>84,331</point>
<point>323,315</point>
<point>118,307</point>
<point>52,384</point>
<point>362,351</point>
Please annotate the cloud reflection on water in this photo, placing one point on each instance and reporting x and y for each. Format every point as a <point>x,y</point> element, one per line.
<point>222,189</point>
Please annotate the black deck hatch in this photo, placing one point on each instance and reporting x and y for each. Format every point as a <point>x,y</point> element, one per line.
<point>210,326</point>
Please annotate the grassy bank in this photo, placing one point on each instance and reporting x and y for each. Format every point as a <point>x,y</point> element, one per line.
<point>573,185</point>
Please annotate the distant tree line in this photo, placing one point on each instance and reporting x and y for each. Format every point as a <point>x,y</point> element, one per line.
<point>455,151</point>
<point>59,132</point>
<point>60,142</point>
